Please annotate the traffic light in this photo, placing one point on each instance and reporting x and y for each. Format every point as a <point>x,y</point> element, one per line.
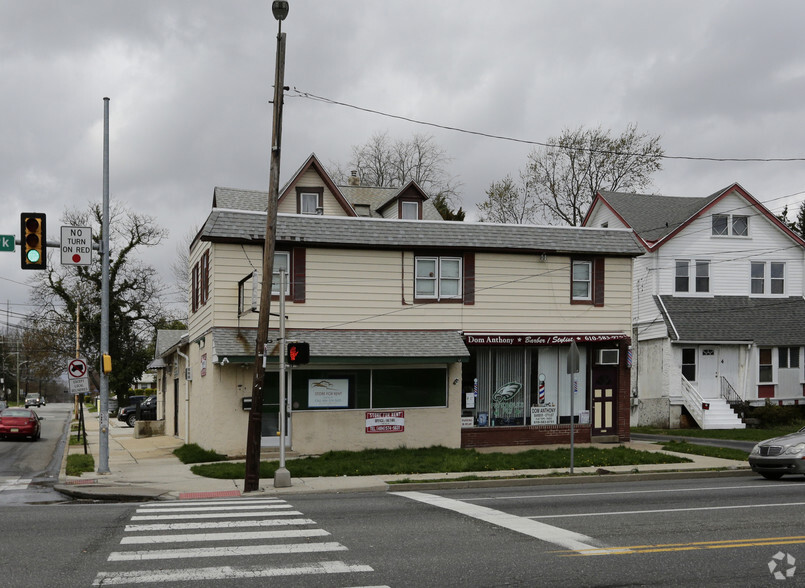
<point>33,235</point>
<point>298,353</point>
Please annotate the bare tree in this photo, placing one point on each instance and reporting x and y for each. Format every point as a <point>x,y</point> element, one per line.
<point>560,180</point>
<point>387,163</point>
<point>508,202</point>
<point>135,295</point>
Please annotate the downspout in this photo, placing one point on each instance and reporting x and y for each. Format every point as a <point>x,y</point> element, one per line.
<point>186,397</point>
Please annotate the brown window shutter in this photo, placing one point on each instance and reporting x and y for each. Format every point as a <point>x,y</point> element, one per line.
<point>298,271</point>
<point>598,281</point>
<point>469,278</point>
<point>194,292</point>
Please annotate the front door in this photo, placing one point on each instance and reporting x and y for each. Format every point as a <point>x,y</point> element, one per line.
<point>707,378</point>
<point>176,408</point>
<point>605,393</point>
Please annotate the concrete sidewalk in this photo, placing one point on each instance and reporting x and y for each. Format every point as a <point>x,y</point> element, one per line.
<point>145,469</point>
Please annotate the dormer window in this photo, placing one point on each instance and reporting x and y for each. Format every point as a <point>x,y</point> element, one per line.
<point>409,210</point>
<point>309,200</point>
<point>730,225</point>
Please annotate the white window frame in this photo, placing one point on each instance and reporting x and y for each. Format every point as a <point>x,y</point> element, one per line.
<point>682,264</point>
<point>729,229</point>
<point>409,205</point>
<point>576,280</point>
<point>275,278</point>
<point>767,281</point>
<point>437,278</point>
<point>701,263</point>
<point>304,198</point>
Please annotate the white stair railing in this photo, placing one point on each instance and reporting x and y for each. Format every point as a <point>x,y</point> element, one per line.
<point>693,402</point>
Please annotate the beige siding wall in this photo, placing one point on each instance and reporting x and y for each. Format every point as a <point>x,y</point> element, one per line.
<point>375,289</point>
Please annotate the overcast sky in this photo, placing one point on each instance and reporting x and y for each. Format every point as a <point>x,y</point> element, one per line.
<point>190,84</point>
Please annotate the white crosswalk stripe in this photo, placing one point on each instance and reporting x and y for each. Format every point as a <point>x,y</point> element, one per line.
<point>12,483</point>
<point>263,528</point>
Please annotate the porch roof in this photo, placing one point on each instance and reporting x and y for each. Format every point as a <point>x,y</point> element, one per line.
<point>331,346</point>
<point>762,321</point>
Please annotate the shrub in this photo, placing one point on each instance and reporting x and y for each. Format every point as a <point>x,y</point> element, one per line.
<point>772,415</point>
<point>192,453</point>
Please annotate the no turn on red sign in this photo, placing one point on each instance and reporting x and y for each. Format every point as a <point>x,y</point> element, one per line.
<point>76,245</point>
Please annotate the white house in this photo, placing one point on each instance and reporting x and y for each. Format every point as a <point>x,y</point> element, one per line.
<point>718,305</point>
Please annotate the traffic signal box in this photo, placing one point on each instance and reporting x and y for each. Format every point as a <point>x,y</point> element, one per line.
<point>298,353</point>
<point>33,235</point>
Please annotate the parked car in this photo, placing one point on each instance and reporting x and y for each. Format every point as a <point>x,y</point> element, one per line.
<point>33,399</point>
<point>776,457</point>
<point>129,414</point>
<point>19,422</point>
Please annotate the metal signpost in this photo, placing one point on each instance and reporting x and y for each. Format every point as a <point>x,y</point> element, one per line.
<point>572,369</point>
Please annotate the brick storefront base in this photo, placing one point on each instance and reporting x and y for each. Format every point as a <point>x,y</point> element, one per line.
<point>513,436</point>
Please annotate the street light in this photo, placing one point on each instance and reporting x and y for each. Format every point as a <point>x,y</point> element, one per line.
<point>281,478</point>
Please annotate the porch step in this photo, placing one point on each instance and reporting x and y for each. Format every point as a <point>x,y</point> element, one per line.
<point>721,416</point>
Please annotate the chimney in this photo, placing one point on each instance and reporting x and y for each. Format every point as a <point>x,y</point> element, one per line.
<point>354,180</point>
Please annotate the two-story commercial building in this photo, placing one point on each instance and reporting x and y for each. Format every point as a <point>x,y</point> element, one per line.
<point>421,332</point>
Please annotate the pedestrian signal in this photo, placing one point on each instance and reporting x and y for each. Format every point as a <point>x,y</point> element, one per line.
<point>298,353</point>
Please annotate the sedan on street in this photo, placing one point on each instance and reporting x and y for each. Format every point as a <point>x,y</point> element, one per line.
<point>19,422</point>
<point>774,458</point>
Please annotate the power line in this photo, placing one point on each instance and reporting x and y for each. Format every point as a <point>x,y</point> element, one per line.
<point>315,98</point>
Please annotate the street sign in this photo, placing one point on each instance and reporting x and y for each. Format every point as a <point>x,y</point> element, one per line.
<point>76,245</point>
<point>6,242</point>
<point>77,368</point>
<point>77,376</point>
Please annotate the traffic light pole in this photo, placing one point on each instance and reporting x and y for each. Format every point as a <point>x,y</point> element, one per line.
<point>103,409</point>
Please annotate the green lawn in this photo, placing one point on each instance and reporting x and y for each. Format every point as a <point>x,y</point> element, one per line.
<point>438,460</point>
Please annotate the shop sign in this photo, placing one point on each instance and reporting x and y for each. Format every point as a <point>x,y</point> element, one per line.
<point>539,339</point>
<point>385,422</point>
<point>328,393</point>
<point>467,422</point>
<point>507,402</point>
<point>543,414</point>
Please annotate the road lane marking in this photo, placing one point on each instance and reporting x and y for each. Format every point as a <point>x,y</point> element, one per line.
<point>693,546</point>
<point>549,533</point>
<point>663,510</point>
<point>15,484</point>
<point>251,536</point>
<point>232,502</point>
<point>624,492</point>
<point>251,507</point>
<point>215,515</point>
<point>216,525</point>
<point>233,551</point>
<point>225,573</point>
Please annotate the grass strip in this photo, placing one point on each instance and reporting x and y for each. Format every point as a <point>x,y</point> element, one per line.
<point>706,450</point>
<point>192,453</point>
<point>78,463</point>
<point>404,461</point>
<point>730,434</point>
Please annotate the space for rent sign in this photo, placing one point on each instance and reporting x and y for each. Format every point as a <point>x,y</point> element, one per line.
<point>385,422</point>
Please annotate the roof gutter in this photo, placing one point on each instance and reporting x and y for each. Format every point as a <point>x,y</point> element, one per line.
<point>670,320</point>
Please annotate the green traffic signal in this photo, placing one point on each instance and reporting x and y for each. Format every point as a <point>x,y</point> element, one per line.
<point>34,240</point>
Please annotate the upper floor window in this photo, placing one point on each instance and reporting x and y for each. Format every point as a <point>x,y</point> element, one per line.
<point>701,275</point>
<point>734,225</point>
<point>409,210</point>
<point>200,282</point>
<point>282,261</point>
<point>767,277</point>
<point>438,278</point>
<point>587,281</point>
<point>582,280</point>
<point>309,200</point>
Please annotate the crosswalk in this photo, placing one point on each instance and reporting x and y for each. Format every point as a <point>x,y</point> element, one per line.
<point>231,539</point>
<point>14,483</point>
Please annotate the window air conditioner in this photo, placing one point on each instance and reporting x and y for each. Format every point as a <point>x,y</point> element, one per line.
<point>608,357</point>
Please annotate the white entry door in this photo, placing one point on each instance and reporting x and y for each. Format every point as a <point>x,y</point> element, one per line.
<point>708,377</point>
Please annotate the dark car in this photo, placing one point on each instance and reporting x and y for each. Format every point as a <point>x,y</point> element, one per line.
<point>773,458</point>
<point>147,406</point>
<point>33,400</point>
<point>19,422</point>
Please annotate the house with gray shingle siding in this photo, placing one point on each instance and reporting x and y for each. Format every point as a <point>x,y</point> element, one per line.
<point>451,333</point>
<point>718,305</point>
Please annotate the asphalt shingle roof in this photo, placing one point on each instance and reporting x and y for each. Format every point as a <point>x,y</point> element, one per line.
<point>654,217</point>
<point>339,344</point>
<point>763,321</point>
<point>238,226</point>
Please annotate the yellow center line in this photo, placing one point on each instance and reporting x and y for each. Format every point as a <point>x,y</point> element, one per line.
<point>693,546</point>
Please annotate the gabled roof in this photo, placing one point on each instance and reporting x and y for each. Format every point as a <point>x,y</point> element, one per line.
<point>313,163</point>
<point>240,199</point>
<point>735,319</point>
<point>657,219</point>
<point>329,231</point>
<point>167,341</point>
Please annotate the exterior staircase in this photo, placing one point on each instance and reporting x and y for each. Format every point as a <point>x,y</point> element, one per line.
<point>709,413</point>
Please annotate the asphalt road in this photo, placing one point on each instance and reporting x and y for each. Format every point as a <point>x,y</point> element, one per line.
<point>696,532</point>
